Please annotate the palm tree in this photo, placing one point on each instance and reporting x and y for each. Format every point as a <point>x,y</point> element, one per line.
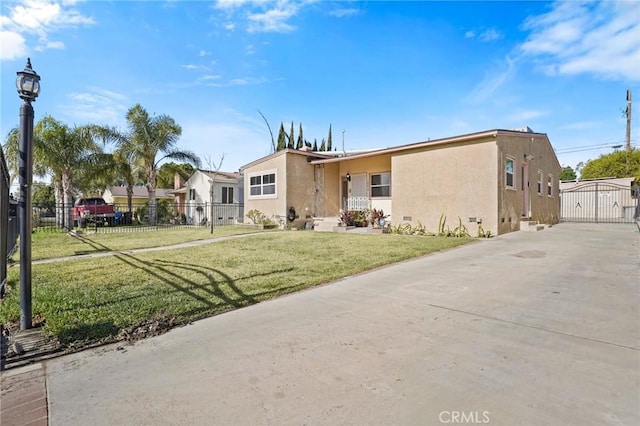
<point>11,149</point>
<point>147,137</point>
<point>62,152</point>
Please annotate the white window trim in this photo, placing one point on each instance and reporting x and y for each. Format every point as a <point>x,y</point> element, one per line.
<point>379,186</point>
<point>513,173</point>
<point>262,196</point>
<point>540,179</point>
<point>550,185</point>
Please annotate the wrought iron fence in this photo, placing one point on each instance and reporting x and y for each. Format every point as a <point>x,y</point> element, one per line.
<point>119,218</point>
<point>8,222</point>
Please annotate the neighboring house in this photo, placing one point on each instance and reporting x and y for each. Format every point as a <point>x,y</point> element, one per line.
<point>117,195</point>
<point>193,198</point>
<point>599,200</point>
<point>494,178</point>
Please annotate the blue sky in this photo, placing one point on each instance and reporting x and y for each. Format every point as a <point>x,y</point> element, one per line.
<point>387,73</point>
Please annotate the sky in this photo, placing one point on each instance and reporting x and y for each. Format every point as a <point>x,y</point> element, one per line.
<point>380,73</point>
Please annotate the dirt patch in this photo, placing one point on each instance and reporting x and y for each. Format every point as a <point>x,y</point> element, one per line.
<point>150,328</point>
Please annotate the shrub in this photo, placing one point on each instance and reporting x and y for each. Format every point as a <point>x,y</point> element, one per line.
<point>255,216</point>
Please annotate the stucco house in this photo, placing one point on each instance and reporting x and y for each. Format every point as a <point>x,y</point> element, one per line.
<point>193,198</point>
<point>494,178</point>
<point>117,195</point>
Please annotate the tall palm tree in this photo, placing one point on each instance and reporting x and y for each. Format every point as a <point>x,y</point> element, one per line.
<point>62,152</point>
<point>11,149</point>
<point>148,137</point>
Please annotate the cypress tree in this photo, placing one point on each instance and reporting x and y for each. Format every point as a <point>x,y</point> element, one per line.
<point>281,139</point>
<point>300,143</point>
<point>290,144</point>
<point>315,144</point>
<point>323,145</point>
<point>329,140</point>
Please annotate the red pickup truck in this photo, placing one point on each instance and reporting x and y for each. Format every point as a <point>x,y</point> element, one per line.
<point>93,210</point>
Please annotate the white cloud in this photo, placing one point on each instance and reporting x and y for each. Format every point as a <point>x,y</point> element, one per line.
<point>493,80</point>
<point>12,45</point>
<point>599,38</point>
<point>36,18</point>
<point>274,20</point>
<point>490,35</point>
<point>246,81</point>
<point>343,12</point>
<point>257,16</point>
<point>485,36</point>
<point>231,4</point>
<point>95,106</point>
<point>203,53</point>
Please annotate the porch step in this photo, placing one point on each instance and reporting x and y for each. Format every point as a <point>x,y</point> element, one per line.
<point>530,225</point>
<point>325,224</point>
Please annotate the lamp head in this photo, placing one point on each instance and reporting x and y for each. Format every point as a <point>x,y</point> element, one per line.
<point>28,83</point>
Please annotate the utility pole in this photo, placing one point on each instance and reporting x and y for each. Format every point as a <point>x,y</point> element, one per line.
<point>628,113</point>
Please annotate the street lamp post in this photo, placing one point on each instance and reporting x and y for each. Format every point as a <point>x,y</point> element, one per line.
<point>211,208</point>
<point>28,85</point>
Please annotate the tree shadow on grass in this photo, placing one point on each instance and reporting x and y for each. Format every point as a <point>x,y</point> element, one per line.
<point>97,247</point>
<point>211,295</point>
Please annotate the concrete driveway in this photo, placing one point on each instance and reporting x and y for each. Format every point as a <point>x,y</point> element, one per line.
<point>531,328</point>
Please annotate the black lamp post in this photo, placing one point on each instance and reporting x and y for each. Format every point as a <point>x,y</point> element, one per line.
<point>28,85</point>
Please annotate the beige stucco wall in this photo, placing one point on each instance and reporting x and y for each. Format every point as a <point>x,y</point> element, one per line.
<point>332,182</point>
<point>512,203</point>
<point>270,207</point>
<point>302,179</point>
<point>455,180</point>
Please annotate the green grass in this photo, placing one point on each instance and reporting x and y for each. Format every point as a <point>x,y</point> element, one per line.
<point>89,300</point>
<point>47,245</point>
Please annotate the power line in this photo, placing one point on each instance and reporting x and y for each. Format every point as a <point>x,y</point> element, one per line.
<point>592,147</point>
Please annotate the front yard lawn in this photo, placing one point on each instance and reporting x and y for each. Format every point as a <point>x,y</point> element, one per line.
<point>47,245</point>
<point>115,297</point>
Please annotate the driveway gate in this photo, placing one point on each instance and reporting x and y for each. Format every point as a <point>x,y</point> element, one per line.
<point>599,202</point>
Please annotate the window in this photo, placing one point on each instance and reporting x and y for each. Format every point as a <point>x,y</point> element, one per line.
<point>549,185</point>
<point>509,173</point>
<point>192,194</point>
<point>227,195</point>
<point>539,182</point>
<point>381,185</point>
<point>263,185</point>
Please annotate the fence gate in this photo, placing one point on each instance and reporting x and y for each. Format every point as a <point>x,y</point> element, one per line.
<point>599,202</point>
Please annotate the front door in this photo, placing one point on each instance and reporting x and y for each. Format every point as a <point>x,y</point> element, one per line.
<point>358,192</point>
<point>524,182</point>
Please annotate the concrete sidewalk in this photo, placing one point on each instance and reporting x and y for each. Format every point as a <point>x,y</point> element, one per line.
<point>528,328</point>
